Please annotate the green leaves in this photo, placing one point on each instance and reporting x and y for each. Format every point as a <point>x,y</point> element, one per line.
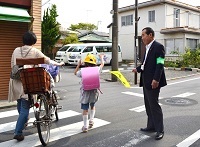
<point>50,30</point>
<point>83,26</point>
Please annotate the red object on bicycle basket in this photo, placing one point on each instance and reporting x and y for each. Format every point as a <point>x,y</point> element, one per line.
<point>36,105</point>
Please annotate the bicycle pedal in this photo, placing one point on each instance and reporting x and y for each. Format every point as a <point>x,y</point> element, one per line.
<point>59,107</point>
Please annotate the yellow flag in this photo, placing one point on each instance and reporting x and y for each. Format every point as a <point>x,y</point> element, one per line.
<point>119,75</point>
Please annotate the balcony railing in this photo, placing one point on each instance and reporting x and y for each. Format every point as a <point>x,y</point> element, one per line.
<point>186,21</point>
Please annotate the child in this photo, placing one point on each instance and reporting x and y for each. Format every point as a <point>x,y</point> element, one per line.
<point>88,97</point>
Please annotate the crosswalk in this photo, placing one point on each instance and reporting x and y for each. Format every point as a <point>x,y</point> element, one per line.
<point>185,143</point>
<point>56,133</point>
<point>68,130</point>
<point>142,108</point>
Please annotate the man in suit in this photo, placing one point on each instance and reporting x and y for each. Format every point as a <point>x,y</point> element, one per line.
<point>152,79</point>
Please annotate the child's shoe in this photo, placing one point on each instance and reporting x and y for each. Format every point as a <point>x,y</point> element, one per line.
<point>85,130</point>
<point>91,123</point>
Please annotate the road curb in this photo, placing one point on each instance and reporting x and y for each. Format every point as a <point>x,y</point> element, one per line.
<point>5,104</point>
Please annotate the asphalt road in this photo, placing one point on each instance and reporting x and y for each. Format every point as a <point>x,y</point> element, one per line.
<point>119,115</point>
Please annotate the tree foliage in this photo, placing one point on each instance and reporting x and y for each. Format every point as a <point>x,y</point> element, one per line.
<point>83,26</point>
<point>72,38</point>
<point>50,29</point>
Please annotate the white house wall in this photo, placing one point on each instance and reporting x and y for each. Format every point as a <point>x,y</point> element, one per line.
<point>187,17</point>
<point>163,19</point>
<point>126,38</point>
<point>127,33</point>
<point>159,20</point>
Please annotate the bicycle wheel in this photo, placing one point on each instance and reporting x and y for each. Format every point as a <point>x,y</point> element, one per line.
<point>55,103</point>
<point>43,120</point>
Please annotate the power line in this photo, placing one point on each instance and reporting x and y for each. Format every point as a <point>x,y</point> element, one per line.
<point>46,2</point>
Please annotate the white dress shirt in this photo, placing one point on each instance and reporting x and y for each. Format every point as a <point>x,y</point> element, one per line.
<point>147,50</point>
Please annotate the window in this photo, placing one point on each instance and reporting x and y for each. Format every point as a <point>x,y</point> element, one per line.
<point>127,20</point>
<point>151,16</point>
<point>176,17</point>
<point>88,49</point>
<point>71,49</point>
<point>64,48</point>
<point>105,49</point>
<point>191,43</point>
<point>78,48</point>
<point>174,45</point>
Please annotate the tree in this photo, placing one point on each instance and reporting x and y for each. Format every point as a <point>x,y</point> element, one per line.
<point>72,38</point>
<point>83,26</point>
<point>50,29</point>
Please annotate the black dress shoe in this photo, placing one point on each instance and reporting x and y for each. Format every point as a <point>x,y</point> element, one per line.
<point>159,135</point>
<point>147,129</point>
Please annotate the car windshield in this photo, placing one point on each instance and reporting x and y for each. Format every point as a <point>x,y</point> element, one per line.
<point>64,48</point>
<point>78,48</point>
<point>71,48</point>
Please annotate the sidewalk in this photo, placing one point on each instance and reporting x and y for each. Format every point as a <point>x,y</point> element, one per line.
<point>129,75</point>
<point>6,104</point>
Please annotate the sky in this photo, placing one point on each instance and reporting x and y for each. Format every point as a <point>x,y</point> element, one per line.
<point>91,11</point>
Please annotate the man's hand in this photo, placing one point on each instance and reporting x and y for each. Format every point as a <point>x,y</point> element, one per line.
<point>154,84</point>
<point>134,70</point>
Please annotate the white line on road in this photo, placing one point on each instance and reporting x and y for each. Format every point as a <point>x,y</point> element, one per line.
<point>132,137</point>
<point>140,108</point>
<point>184,94</point>
<point>10,113</point>
<point>61,115</point>
<point>132,93</point>
<point>56,134</point>
<point>190,140</point>
<point>183,81</point>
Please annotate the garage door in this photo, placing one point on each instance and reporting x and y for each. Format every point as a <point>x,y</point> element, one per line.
<point>10,37</point>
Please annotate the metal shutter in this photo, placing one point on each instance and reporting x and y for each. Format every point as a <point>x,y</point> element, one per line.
<point>10,37</point>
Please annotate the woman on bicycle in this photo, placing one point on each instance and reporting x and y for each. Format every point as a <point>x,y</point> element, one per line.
<point>16,91</point>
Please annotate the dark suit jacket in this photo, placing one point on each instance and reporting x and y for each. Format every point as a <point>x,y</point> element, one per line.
<point>152,70</point>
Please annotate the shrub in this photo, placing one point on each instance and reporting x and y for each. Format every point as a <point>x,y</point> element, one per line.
<point>191,58</point>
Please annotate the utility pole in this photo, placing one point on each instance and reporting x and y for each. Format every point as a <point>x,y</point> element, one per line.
<point>114,63</point>
<point>136,38</point>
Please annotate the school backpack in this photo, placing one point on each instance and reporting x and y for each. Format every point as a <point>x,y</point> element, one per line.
<point>90,78</point>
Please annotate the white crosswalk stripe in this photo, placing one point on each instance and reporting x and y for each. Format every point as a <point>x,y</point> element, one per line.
<point>142,108</point>
<point>56,133</point>
<point>10,113</point>
<point>11,125</point>
<point>186,94</point>
<point>190,140</point>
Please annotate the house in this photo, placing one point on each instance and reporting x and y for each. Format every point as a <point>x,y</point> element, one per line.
<point>16,17</point>
<point>86,36</point>
<point>176,25</point>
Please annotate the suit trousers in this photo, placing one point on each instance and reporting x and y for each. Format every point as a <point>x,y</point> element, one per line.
<point>153,109</point>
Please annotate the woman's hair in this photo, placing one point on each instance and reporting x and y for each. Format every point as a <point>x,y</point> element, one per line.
<point>29,38</point>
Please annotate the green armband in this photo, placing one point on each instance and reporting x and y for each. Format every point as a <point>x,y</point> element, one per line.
<point>160,60</point>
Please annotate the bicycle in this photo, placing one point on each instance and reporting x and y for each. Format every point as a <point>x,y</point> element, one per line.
<point>37,84</point>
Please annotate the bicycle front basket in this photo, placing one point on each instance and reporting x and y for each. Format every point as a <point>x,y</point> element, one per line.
<point>35,80</point>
